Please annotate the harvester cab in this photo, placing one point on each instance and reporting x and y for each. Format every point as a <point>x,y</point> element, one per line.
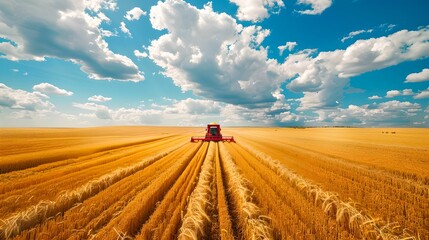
<point>213,134</point>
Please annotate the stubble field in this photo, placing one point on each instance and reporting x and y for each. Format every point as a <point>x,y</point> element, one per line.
<point>273,183</point>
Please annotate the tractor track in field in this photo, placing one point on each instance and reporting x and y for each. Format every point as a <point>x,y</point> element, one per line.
<point>168,188</point>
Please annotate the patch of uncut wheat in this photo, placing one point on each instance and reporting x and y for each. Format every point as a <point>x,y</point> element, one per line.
<point>346,213</point>
<point>252,225</point>
<point>38,213</point>
<point>197,217</point>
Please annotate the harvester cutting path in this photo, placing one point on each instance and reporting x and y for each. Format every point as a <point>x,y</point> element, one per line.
<point>213,134</point>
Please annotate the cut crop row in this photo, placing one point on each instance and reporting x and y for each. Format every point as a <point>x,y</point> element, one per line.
<point>197,220</point>
<point>164,222</point>
<point>48,185</point>
<point>382,193</point>
<point>85,219</point>
<point>355,220</point>
<point>139,210</point>
<point>292,215</point>
<point>250,223</point>
<point>45,209</point>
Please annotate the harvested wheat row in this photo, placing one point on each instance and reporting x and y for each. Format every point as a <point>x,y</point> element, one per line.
<point>36,214</point>
<point>225,225</point>
<point>146,203</point>
<point>358,223</point>
<point>164,221</point>
<point>252,225</point>
<point>197,217</point>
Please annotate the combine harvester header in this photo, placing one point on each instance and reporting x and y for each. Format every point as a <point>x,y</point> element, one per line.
<point>213,134</point>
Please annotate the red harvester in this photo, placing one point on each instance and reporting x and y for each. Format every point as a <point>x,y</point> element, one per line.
<point>213,134</point>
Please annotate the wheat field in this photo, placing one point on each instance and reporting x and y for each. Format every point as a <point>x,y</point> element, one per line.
<point>272,183</point>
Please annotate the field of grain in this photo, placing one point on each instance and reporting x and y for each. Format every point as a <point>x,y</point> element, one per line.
<point>272,183</point>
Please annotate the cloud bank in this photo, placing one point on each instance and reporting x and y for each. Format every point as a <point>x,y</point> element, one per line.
<point>66,30</point>
<point>211,55</point>
<point>51,89</point>
<point>322,78</point>
<point>22,100</point>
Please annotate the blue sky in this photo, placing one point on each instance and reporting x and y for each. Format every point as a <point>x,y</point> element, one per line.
<point>238,62</point>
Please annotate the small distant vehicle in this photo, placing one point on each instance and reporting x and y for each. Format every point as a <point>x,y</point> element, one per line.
<point>213,134</point>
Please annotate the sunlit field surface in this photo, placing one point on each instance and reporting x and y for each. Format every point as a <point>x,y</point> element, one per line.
<point>272,183</point>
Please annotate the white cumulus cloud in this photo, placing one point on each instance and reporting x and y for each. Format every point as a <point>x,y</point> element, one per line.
<point>397,105</point>
<point>257,10</point>
<point>393,93</point>
<point>287,117</point>
<point>134,14</point>
<point>51,89</point>
<point>139,54</point>
<point>100,111</point>
<point>355,33</point>
<point>422,94</point>
<point>418,77</point>
<point>99,98</point>
<point>317,6</point>
<point>195,106</point>
<point>177,113</point>
<point>375,97</point>
<point>124,29</point>
<point>23,100</point>
<point>383,114</point>
<point>289,46</point>
<point>97,5</point>
<point>213,56</point>
<point>322,78</point>
<point>376,53</point>
<point>218,59</point>
<point>68,30</point>
<point>396,93</point>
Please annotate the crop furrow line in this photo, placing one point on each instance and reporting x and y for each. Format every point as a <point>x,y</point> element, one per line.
<point>252,225</point>
<point>225,225</point>
<point>165,220</point>
<point>196,219</point>
<point>139,210</point>
<point>355,220</point>
<point>38,213</point>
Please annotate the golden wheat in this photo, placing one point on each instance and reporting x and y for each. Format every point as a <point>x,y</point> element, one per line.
<point>197,213</point>
<point>165,221</point>
<point>360,224</point>
<point>97,211</point>
<point>142,206</point>
<point>120,183</point>
<point>252,224</point>
<point>225,225</point>
<point>43,210</point>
